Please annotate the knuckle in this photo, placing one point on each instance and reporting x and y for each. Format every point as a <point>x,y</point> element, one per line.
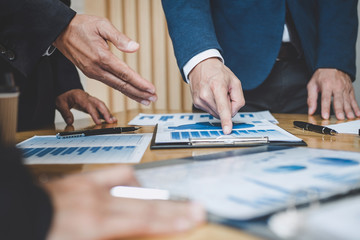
<point>203,96</point>
<point>122,86</point>
<point>124,75</point>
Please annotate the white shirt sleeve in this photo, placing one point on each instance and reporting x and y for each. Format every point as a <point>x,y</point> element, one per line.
<point>210,53</point>
<point>50,50</point>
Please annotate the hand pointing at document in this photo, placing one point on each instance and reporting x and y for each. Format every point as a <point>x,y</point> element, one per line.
<point>84,42</point>
<point>216,90</point>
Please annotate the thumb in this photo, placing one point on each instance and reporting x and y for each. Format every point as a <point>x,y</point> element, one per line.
<point>120,40</point>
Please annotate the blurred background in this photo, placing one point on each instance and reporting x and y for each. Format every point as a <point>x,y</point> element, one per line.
<point>144,21</point>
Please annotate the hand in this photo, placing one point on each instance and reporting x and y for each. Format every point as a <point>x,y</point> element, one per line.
<point>85,210</point>
<point>335,84</point>
<point>84,42</point>
<point>216,90</point>
<point>80,100</point>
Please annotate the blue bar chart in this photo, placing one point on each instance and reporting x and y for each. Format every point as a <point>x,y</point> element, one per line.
<point>121,148</point>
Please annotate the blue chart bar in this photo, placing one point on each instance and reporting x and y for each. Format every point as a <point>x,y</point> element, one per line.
<point>44,152</point>
<point>58,151</point>
<point>175,135</point>
<point>190,117</point>
<point>210,117</point>
<point>195,134</point>
<point>106,148</point>
<point>212,133</point>
<point>81,150</point>
<point>205,134</point>
<point>243,115</point>
<point>149,117</point>
<point>165,118</point>
<point>70,150</point>
<point>94,149</point>
<point>32,151</point>
<point>185,135</point>
<point>76,151</point>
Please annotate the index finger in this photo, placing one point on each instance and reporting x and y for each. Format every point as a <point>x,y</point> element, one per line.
<point>121,70</point>
<point>223,105</point>
<point>325,103</point>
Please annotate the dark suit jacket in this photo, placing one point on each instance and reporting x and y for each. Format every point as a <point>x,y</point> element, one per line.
<point>40,79</point>
<point>248,33</point>
<point>27,29</point>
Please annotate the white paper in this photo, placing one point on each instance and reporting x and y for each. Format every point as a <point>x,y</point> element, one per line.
<point>248,186</point>
<point>113,148</point>
<point>351,127</point>
<point>172,133</point>
<point>153,119</point>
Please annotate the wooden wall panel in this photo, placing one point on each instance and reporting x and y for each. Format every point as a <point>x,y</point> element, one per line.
<point>143,21</point>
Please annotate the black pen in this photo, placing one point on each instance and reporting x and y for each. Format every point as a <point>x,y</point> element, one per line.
<point>314,128</point>
<point>83,133</point>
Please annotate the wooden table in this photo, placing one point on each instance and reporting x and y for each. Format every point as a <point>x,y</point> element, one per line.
<point>209,231</point>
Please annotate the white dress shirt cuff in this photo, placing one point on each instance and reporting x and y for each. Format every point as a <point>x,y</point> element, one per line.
<point>51,49</point>
<point>210,53</point>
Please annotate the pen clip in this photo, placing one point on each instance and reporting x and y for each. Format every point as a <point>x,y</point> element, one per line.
<point>222,140</point>
<point>69,136</point>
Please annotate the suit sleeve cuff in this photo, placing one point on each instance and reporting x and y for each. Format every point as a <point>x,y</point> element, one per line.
<point>191,64</point>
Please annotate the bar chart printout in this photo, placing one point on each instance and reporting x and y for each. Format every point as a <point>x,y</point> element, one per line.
<point>119,148</point>
<point>247,186</point>
<point>171,133</point>
<point>152,119</point>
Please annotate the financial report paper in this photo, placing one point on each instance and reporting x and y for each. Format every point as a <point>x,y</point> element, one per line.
<point>253,185</point>
<point>114,148</point>
<point>178,133</point>
<point>153,119</point>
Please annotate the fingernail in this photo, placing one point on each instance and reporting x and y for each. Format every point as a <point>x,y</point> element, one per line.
<point>341,116</point>
<point>132,46</point>
<point>145,102</point>
<point>198,212</point>
<point>226,130</point>
<point>152,99</point>
<point>152,91</point>
<point>326,116</point>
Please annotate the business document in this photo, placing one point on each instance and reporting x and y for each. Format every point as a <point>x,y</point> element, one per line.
<point>177,118</point>
<point>177,133</point>
<point>112,148</point>
<point>252,185</point>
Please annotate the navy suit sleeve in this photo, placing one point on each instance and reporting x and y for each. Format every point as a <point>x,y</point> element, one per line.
<point>190,27</point>
<point>337,26</point>
<point>25,208</point>
<point>28,28</point>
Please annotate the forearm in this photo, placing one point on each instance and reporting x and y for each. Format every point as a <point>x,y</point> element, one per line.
<point>27,31</point>
<point>190,27</point>
<point>338,26</point>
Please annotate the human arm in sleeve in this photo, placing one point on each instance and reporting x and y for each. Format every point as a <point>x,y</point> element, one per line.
<point>335,67</point>
<point>215,89</point>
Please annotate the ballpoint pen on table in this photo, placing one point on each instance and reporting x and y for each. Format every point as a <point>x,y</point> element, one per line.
<point>314,128</point>
<point>91,132</point>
